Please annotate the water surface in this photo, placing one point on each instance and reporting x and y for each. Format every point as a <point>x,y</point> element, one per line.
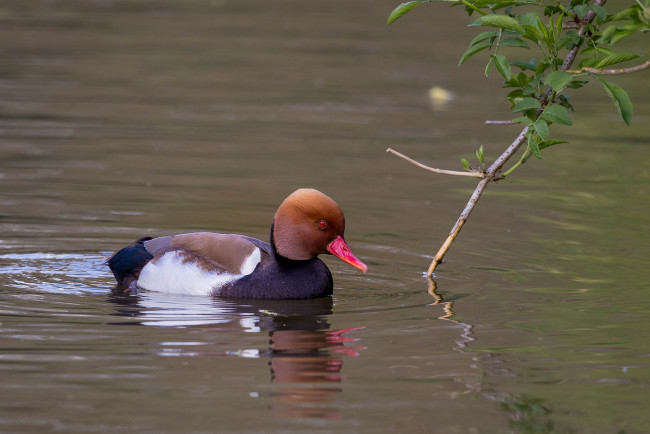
<point>125,119</point>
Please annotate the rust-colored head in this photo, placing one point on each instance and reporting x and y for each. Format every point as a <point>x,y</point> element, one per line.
<point>309,223</point>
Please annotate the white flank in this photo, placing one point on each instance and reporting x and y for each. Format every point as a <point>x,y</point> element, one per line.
<point>171,273</point>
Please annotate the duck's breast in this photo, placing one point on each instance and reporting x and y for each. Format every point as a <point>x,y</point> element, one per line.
<point>283,280</point>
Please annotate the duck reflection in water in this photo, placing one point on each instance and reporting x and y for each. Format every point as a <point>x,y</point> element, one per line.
<point>305,358</point>
<point>306,365</point>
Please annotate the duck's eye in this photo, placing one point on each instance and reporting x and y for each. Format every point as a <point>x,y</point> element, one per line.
<point>322,224</point>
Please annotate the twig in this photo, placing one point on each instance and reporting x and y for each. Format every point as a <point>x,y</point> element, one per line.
<point>500,122</point>
<point>570,25</point>
<point>490,174</point>
<point>433,169</point>
<point>612,71</point>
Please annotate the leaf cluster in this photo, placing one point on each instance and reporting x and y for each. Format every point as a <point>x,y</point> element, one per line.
<point>539,84</point>
<point>480,156</point>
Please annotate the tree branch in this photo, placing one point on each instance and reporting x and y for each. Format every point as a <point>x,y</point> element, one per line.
<point>490,174</point>
<point>612,71</point>
<point>500,122</point>
<point>433,169</point>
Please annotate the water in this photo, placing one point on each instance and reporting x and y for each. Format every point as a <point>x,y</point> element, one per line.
<point>125,119</point>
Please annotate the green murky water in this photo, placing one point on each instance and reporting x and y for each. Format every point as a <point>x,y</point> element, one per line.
<point>122,119</point>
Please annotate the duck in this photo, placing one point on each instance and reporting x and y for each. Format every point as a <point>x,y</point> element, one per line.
<point>307,223</point>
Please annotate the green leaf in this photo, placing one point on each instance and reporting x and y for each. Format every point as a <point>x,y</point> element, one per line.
<point>577,84</point>
<point>600,11</point>
<point>596,50</point>
<point>588,62</point>
<point>541,67</point>
<point>530,65</point>
<point>502,65</point>
<point>516,94</point>
<point>526,104</point>
<point>522,79</point>
<point>483,36</point>
<point>613,59</point>
<point>513,41</point>
<point>544,31</point>
<point>479,155</point>
<point>552,142</point>
<point>569,40</point>
<point>612,34</point>
<point>558,26</point>
<point>533,145</point>
<point>542,129</point>
<point>516,81</point>
<point>402,9</point>
<point>558,80</point>
<point>523,120</point>
<point>556,114</point>
<point>465,163</point>
<point>473,50</point>
<point>580,10</point>
<point>626,14</point>
<point>623,32</point>
<point>500,21</point>
<point>608,33</point>
<point>529,19</point>
<point>620,98</point>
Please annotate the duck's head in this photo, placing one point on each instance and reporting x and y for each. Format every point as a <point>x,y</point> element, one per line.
<point>309,223</point>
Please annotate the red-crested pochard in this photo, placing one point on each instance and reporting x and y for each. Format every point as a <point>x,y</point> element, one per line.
<point>306,224</point>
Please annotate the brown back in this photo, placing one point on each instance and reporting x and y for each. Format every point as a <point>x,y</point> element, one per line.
<point>229,251</point>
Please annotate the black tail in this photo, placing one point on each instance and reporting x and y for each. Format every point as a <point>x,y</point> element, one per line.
<point>128,262</point>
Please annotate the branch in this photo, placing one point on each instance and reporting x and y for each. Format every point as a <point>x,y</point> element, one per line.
<point>433,169</point>
<point>612,71</point>
<point>489,175</point>
<point>501,161</point>
<point>589,17</point>
<point>500,122</point>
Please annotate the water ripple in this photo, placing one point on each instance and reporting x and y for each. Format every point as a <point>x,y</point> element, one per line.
<point>54,272</point>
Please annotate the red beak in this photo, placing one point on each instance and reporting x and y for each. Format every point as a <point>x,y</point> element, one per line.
<point>341,250</point>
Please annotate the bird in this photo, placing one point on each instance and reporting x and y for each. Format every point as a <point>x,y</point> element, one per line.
<point>306,224</point>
